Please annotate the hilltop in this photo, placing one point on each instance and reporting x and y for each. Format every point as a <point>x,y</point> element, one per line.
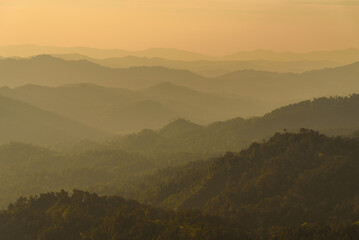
<point>291,179</point>
<point>335,116</point>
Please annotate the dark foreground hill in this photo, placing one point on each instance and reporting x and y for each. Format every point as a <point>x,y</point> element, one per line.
<point>84,216</point>
<point>287,181</point>
<point>25,123</point>
<point>294,186</point>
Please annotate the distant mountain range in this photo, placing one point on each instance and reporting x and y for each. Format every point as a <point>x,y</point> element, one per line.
<point>25,123</point>
<point>163,94</point>
<point>31,50</point>
<point>120,110</point>
<point>342,56</point>
<point>276,89</point>
<point>110,109</point>
<point>207,68</point>
<point>282,88</point>
<point>199,106</point>
<point>50,71</point>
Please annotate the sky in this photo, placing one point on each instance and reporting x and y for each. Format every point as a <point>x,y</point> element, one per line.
<point>213,27</point>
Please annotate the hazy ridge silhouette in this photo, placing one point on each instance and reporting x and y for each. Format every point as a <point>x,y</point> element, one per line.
<point>24,123</point>
<point>211,147</point>
<point>342,55</point>
<point>274,88</point>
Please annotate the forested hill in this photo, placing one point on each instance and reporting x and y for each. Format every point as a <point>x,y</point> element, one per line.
<point>335,115</point>
<point>84,216</point>
<point>289,180</point>
<point>27,170</point>
<point>304,185</point>
<point>323,114</point>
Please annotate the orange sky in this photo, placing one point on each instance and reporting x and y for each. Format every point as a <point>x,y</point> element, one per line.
<point>208,26</point>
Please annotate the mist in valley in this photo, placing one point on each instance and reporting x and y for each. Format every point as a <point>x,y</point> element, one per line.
<point>113,142</point>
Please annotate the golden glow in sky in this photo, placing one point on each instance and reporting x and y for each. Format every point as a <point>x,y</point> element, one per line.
<point>209,26</point>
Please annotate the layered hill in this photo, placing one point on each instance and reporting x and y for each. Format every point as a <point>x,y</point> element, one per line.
<point>335,116</point>
<point>121,110</point>
<point>342,55</point>
<point>110,109</point>
<point>294,186</point>
<point>275,89</point>
<point>203,107</point>
<point>205,67</point>
<point>31,50</point>
<point>284,87</point>
<point>22,122</point>
<point>288,180</point>
<point>26,169</point>
<point>49,71</point>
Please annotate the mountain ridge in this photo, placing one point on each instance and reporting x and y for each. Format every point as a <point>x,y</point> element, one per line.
<point>114,109</point>
<point>176,54</point>
<point>334,116</point>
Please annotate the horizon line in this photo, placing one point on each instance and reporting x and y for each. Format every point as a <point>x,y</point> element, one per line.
<point>183,50</point>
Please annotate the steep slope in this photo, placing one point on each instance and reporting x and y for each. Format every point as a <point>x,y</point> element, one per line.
<point>50,71</point>
<point>289,180</point>
<point>22,122</point>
